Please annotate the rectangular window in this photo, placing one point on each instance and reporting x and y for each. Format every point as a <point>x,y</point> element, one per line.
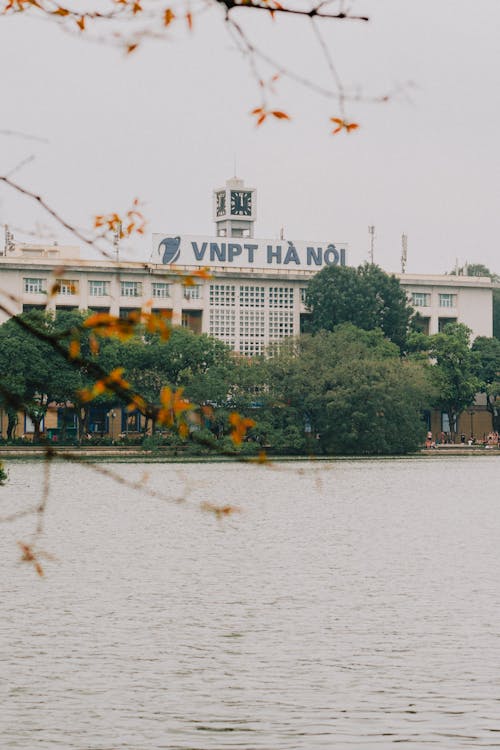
<point>303,292</point>
<point>67,287</point>
<point>35,286</point>
<point>161,289</point>
<point>420,299</point>
<point>98,288</point>
<point>447,300</point>
<point>192,292</point>
<point>131,289</point>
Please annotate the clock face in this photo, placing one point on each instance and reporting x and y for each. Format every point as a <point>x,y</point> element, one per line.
<point>241,203</point>
<point>220,208</point>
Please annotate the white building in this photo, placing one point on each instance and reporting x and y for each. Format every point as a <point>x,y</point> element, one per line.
<point>256,292</point>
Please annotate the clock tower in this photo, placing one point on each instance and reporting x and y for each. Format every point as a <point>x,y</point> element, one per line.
<point>234,209</point>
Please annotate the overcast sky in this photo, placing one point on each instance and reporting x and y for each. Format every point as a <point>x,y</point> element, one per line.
<point>167,122</point>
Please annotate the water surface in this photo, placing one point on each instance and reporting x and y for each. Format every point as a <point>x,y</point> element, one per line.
<point>350,604</point>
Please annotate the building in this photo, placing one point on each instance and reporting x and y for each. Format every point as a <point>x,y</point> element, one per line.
<point>254,296</point>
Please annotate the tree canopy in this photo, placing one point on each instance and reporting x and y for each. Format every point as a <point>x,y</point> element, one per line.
<point>454,372</point>
<point>365,296</point>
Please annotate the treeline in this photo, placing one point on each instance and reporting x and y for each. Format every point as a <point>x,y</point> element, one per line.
<point>343,391</point>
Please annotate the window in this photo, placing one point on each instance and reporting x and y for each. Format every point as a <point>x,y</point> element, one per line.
<point>223,325</point>
<point>252,296</point>
<point>280,324</point>
<point>131,288</point>
<point>251,348</point>
<point>161,289</point>
<point>192,292</point>
<point>303,292</point>
<point>447,300</point>
<point>67,287</point>
<point>281,296</point>
<point>420,299</point>
<point>222,295</point>
<point>252,328</point>
<point>98,288</point>
<point>35,286</point>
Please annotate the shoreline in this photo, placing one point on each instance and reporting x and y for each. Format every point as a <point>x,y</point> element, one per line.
<point>136,454</point>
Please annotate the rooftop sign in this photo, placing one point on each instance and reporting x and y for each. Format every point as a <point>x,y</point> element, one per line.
<point>245,252</point>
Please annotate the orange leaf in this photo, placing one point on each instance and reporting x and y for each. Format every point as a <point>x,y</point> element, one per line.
<point>74,349</point>
<point>280,115</point>
<point>343,125</point>
<point>219,510</point>
<point>131,48</point>
<point>240,426</point>
<point>81,23</point>
<point>168,17</point>
<point>189,19</point>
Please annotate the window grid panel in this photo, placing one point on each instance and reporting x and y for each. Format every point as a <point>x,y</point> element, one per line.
<point>222,295</point>
<point>222,325</point>
<point>252,324</point>
<point>281,297</point>
<point>251,348</point>
<point>280,324</point>
<point>161,289</point>
<point>252,296</point>
<point>131,288</point>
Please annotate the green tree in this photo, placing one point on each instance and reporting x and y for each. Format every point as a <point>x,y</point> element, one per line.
<point>487,368</point>
<point>351,391</point>
<point>454,371</point>
<point>26,364</point>
<point>365,296</point>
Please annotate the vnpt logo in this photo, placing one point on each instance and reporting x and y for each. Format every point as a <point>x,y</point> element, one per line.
<point>170,246</point>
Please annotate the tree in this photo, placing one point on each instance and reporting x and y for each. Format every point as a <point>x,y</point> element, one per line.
<point>351,391</point>
<point>365,296</point>
<point>487,369</point>
<point>453,373</point>
<point>26,364</point>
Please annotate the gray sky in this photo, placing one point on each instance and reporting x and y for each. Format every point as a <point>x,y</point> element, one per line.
<point>166,123</point>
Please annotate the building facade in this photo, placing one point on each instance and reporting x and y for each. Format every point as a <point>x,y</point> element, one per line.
<point>253,296</point>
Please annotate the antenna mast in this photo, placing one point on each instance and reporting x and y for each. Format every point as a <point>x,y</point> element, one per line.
<point>116,241</point>
<point>9,240</point>
<point>404,252</point>
<point>371,232</point>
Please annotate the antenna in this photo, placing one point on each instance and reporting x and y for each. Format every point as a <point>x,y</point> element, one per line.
<point>9,241</point>
<point>371,232</point>
<point>234,164</point>
<point>404,252</point>
<point>282,233</point>
<point>116,241</point>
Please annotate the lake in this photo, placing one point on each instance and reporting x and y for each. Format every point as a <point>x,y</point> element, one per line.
<point>350,603</point>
